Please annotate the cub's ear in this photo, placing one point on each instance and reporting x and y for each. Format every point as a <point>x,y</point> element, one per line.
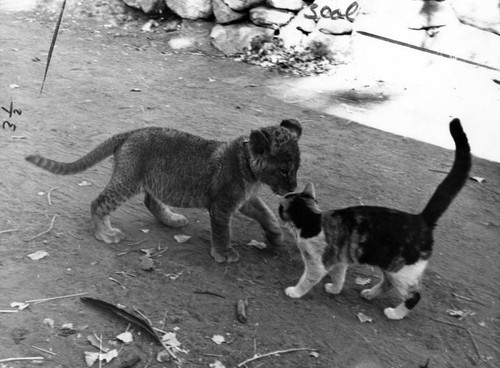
<point>259,142</point>
<point>293,126</point>
<point>309,190</point>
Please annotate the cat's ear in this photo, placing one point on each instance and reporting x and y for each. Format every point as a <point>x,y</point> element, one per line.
<point>309,190</point>
<point>293,126</point>
<point>259,142</point>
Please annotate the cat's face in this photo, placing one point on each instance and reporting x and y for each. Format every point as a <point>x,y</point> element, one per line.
<point>297,204</point>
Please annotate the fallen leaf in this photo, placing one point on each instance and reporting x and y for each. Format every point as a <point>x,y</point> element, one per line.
<point>125,337</point>
<point>145,231</point>
<point>41,193</point>
<point>181,238</point>
<point>211,79</point>
<point>13,85</point>
<point>146,263</point>
<point>257,244</point>
<point>67,326</point>
<point>84,183</point>
<point>170,339</point>
<point>91,357</point>
<point>364,318</point>
<point>94,341</point>
<point>49,322</point>
<point>19,305</point>
<point>362,281</point>
<point>163,356</point>
<point>460,314</point>
<point>39,254</point>
<point>478,179</point>
<point>148,252</point>
<point>173,276</point>
<point>218,339</point>
<point>314,354</point>
<point>216,364</point>
<point>135,90</point>
<point>482,324</point>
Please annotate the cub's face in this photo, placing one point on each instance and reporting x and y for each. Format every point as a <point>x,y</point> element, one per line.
<point>276,155</point>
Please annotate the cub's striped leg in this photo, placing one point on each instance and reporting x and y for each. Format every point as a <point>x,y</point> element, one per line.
<point>114,195</point>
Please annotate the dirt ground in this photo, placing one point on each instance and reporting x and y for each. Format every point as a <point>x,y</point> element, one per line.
<point>89,97</point>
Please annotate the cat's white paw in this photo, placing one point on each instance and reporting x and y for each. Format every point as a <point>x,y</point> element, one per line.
<point>332,288</point>
<point>394,313</point>
<point>292,292</point>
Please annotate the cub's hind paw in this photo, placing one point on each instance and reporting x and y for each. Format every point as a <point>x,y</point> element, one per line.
<point>229,255</point>
<point>175,220</point>
<point>332,288</point>
<point>110,236</point>
<point>292,292</point>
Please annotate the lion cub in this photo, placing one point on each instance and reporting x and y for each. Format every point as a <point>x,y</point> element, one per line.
<point>183,170</point>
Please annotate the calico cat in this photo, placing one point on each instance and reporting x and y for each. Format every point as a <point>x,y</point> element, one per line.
<point>174,168</point>
<point>397,242</point>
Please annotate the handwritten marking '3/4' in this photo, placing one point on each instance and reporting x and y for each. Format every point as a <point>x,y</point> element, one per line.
<point>11,111</point>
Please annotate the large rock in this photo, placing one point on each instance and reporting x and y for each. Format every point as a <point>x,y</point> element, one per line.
<point>191,9</point>
<point>240,5</point>
<point>293,5</point>
<point>233,39</point>
<point>334,26</point>
<point>224,14</point>
<point>268,17</point>
<point>147,6</point>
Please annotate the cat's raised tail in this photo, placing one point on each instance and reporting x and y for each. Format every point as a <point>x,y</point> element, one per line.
<point>454,181</point>
<point>105,149</point>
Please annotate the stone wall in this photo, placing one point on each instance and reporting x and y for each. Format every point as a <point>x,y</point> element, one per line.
<point>237,22</point>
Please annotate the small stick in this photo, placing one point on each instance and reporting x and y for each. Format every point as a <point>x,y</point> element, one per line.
<point>255,357</point>
<point>45,351</point>
<point>468,299</point>
<point>48,195</point>
<point>139,242</point>
<point>447,323</point>
<point>74,236</point>
<point>125,273</point>
<point>209,293</point>
<point>22,358</point>
<point>117,282</point>
<point>54,298</point>
<point>158,253</point>
<point>8,311</point>
<point>213,355</point>
<point>474,343</point>
<point>8,231</point>
<point>44,232</point>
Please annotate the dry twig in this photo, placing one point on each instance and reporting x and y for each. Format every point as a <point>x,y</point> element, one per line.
<point>44,232</point>
<point>208,292</point>
<point>48,195</point>
<point>259,356</point>
<point>43,350</point>
<point>36,301</point>
<point>6,360</point>
<point>74,236</point>
<point>8,231</point>
<point>474,343</point>
<point>468,299</point>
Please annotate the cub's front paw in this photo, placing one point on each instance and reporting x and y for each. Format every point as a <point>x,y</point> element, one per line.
<point>229,255</point>
<point>332,288</point>
<point>292,292</point>
<point>274,240</point>
<point>110,236</point>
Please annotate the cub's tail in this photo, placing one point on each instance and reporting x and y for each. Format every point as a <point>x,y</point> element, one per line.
<point>102,151</point>
<point>453,183</point>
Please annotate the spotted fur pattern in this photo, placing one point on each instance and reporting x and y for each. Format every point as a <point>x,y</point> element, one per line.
<point>183,170</point>
<point>397,242</point>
